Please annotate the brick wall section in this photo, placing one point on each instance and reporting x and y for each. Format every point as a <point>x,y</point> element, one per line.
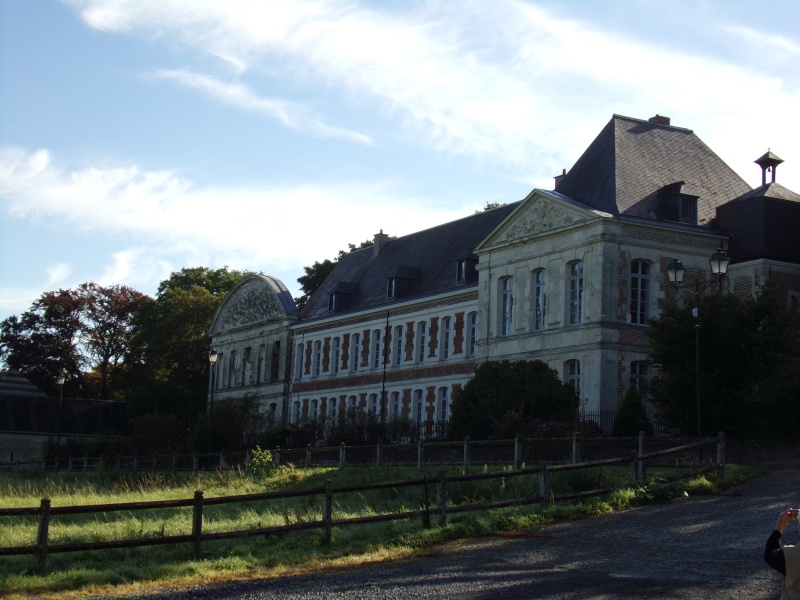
<point>458,333</point>
<point>433,337</point>
<point>410,341</point>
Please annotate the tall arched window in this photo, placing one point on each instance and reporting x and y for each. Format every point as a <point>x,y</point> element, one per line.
<point>332,402</point>
<point>316,358</point>
<point>373,404</point>
<point>395,405</point>
<point>298,362</point>
<point>576,293</point>
<point>445,335</point>
<point>640,292</point>
<point>418,406</point>
<point>376,349</point>
<point>296,411</point>
<point>539,293</point>
<point>313,409</point>
<point>506,305</point>
<point>397,354</point>
<point>444,404</point>
<point>336,352</point>
<point>472,334</point>
<point>572,375</point>
<point>422,337</point>
<point>355,349</point>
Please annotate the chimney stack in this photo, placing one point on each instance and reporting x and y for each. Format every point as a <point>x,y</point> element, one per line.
<point>659,120</point>
<point>379,242</point>
<point>558,178</point>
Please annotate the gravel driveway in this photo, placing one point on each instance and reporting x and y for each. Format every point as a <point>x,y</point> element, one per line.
<point>705,547</point>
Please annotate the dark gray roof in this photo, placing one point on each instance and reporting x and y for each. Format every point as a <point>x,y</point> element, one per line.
<point>425,261</point>
<point>770,190</point>
<point>16,384</point>
<point>630,161</point>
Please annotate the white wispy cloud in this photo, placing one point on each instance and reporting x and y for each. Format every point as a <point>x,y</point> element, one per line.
<point>291,115</point>
<point>506,82</point>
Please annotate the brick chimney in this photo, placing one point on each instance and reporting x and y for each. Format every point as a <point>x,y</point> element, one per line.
<point>380,240</point>
<point>659,120</point>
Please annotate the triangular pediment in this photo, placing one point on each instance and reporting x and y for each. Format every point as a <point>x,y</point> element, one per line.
<point>541,213</point>
<point>254,300</point>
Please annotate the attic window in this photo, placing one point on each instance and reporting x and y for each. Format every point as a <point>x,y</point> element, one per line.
<point>465,271</point>
<point>391,288</point>
<point>332,302</point>
<point>687,208</point>
<point>461,271</point>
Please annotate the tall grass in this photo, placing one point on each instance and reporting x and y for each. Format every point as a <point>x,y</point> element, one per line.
<point>267,556</point>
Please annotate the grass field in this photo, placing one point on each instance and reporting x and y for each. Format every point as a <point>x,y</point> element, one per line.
<point>110,571</point>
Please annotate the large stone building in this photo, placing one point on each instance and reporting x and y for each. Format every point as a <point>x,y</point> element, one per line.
<point>569,276</point>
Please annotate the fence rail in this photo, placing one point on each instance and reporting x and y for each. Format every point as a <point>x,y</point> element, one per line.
<point>45,511</point>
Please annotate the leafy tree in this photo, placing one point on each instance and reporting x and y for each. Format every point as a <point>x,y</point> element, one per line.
<point>503,395</point>
<point>747,369</point>
<point>490,206</point>
<point>631,418</point>
<point>319,271</point>
<point>81,333</point>
<point>169,356</point>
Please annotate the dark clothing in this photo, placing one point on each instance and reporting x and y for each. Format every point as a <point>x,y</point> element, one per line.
<point>773,553</point>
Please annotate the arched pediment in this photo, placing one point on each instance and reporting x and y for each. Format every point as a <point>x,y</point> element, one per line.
<point>254,300</point>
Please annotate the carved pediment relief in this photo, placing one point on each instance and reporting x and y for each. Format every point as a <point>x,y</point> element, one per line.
<point>540,216</point>
<point>252,302</point>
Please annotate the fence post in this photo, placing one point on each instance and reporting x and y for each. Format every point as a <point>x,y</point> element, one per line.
<point>641,443</point>
<point>426,514</point>
<point>86,463</point>
<point>247,458</point>
<point>544,484</point>
<point>516,452</point>
<point>419,454</point>
<point>441,498</point>
<point>341,455</point>
<point>574,447</point>
<point>308,455</point>
<point>378,454</point>
<point>721,455</point>
<point>221,460</point>
<point>327,511</point>
<point>276,456</point>
<point>174,463</point>
<point>634,468</point>
<point>466,456</point>
<point>69,464</point>
<point>41,537</point>
<point>194,463</point>
<point>197,523</point>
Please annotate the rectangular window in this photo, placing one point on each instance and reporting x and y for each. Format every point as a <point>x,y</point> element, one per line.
<point>461,271</point>
<point>688,210</point>
<point>418,406</point>
<point>376,349</point>
<point>573,372</point>
<point>336,352</point>
<point>422,334</point>
<point>506,305</point>
<point>391,288</point>
<point>443,404</point>
<point>373,404</point>
<point>355,343</point>
<point>395,405</point>
<point>472,345</point>
<point>444,343</point>
<point>539,296</point>
<point>398,345</point>
<point>640,376</point>
<point>640,292</point>
<point>298,362</point>
<point>576,293</point>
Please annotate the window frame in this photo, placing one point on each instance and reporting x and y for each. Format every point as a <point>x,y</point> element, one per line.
<point>575,297</point>
<point>639,289</point>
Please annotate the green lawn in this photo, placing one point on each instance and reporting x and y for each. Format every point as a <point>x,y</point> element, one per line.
<point>75,574</point>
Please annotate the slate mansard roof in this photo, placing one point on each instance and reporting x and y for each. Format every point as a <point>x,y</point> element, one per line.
<point>632,164</point>
<point>424,261</point>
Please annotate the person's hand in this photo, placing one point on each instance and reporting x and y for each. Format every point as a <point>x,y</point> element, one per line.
<point>787,516</point>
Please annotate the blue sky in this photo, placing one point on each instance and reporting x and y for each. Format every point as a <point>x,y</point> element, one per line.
<point>138,137</point>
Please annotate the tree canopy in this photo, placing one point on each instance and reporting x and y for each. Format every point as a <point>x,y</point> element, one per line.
<point>748,362</point>
<point>505,395</point>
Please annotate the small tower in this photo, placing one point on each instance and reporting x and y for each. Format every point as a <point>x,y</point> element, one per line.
<point>768,162</point>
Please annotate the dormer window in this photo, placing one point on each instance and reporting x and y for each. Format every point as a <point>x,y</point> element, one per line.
<point>465,271</point>
<point>687,209</point>
<point>391,288</point>
<point>332,302</point>
<point>461,271</point>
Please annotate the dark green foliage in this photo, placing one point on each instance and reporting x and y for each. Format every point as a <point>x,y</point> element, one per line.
<point>319,271</point>
<point>631,418</point>
<point>748,364</point>
<point>504,395</point>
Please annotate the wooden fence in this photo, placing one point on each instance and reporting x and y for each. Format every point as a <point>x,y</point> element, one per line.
<point>511,452</point>
<point>45,511</point>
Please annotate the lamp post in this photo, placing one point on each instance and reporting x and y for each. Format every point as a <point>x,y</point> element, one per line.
<point>60,381</point>
<point>212,359</point>
<point>675,271</point>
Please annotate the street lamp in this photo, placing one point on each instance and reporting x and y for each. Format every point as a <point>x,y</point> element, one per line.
<point>212,359</point>
<point>675,271</point>
<point>60,381</point>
